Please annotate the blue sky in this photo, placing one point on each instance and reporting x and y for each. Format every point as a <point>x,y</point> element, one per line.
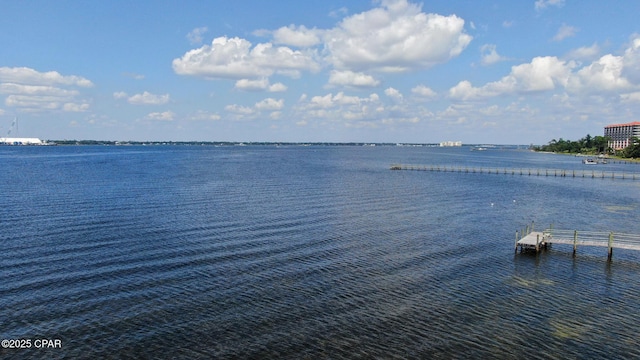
<point>504,72</point>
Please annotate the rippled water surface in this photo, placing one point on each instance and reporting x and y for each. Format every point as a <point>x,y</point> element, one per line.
<point>308,252</point>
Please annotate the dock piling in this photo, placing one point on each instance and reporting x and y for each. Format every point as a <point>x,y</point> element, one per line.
<point>575,242</point>
<point>610,252</point>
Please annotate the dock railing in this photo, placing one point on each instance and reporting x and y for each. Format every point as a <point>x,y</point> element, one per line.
<point>574,173</point>
<point>608,239</point>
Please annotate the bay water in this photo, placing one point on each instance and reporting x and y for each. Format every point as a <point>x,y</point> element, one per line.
<point>293,252</point>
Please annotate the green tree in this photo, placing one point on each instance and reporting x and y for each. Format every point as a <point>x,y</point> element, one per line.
<point>588,142</point>
<point>633,150</point>
<point>601,143</point>
<point>586,145</point>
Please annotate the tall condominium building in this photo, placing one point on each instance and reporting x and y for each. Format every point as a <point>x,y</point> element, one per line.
<point>621,134</point>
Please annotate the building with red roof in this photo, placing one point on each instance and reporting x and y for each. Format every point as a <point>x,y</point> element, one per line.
<point>620,134</point>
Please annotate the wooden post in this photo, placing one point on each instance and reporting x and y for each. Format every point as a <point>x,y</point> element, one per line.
<point>516,245</point>
<point>537,243</point>
<point>610,254</point>
<point>575,242</point>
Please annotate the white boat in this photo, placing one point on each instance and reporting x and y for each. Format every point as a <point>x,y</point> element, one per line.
<point>589,161</point>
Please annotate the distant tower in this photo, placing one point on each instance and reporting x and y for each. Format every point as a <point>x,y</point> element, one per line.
<point>14,126</point>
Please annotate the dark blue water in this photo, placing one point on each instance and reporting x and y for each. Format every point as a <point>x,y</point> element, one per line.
<point>308,252</point>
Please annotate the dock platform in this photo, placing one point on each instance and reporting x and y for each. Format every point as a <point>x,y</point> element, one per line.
<point>534,240</point>
<point>529,240</point>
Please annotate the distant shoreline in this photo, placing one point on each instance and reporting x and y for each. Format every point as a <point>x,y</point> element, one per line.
<point>611,157</point>
<point>259,143</point>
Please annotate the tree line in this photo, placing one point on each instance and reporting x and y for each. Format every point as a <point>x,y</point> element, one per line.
<point>592,146</point>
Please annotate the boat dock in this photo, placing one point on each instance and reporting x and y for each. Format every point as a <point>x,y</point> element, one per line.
<point>530,240</point>
<point>575,173</point>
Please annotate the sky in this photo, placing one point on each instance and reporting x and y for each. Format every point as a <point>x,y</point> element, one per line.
<point>394,71</point>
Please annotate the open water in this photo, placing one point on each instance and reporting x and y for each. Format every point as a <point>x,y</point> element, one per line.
<point>312,252</point>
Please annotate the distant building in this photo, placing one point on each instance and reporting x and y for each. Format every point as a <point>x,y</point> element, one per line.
<point>451,143</point>
<point>621,134</point>
<point>21,141</point>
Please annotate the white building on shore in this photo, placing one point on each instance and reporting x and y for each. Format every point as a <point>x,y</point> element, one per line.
<point>21,141</point>
<point>451,143</point>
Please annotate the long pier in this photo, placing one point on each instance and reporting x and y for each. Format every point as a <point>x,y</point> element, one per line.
<point>575,173</point>
<point>529,240</point>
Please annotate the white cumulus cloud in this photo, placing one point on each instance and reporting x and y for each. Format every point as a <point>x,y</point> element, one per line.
<point>147,98</point>
<point>584,53</point>
<point>277,87</point>
<point>262,84</point>
<point>236,58</point>
<point>74,107</point>
<point>543,4</point>
<point>239,109</point>
<point>350,78</point>
<point>351,111</point>
<point>161,116</point>
<point>120,95</point>
<point>424,91</point>
<point>270,104</point>
<point>604,74</point>
<point>541,74</point>
<point>395,37</point>
<point>464,90</point>
<point>42,90</point>
<point>252,84</point>
<point>298,36</point>
<point>393,93</point>
<point>489,55</point>
<point>610,75</point>
<point>195,36</point>
<point>24,75</point>
<point>631,60</point>
<point>564,32</point>
<point>34,91</point>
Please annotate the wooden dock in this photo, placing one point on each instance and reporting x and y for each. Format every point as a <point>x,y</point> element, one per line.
<point>574,173</point>
<point>529,240</point>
